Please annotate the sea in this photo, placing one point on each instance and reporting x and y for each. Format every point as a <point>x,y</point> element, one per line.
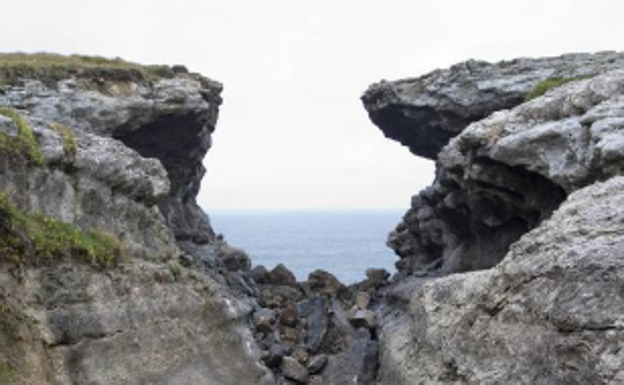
<point>345,243</point>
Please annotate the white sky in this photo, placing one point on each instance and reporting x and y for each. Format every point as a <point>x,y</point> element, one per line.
<point>292,132</point>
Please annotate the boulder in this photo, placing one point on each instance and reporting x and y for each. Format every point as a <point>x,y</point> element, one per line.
<point>317,364</point>
<point>357,364</point>
<point>323,282</point>
<point>293,370</point>
<point>264,319</point>
<point>314,311</point>
<point>274,356</point>
<point>362,300</point>
<point>281,276</point>
<point>260,274</point>
<point>363,318</point>
<point>276,296</point>
<point>550,313</point>
<point>290,315</point>
<point>234,259</point>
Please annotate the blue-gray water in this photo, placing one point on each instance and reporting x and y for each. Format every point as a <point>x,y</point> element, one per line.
<point>344,243</point>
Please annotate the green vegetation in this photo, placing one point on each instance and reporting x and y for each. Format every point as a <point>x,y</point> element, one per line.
<point>32,238</point>
<point>24,143</point>
<point>54,67</point>
<point>70,144</point>
<point>176,270</point>
<point>545,85</point>
<point>7,374</point>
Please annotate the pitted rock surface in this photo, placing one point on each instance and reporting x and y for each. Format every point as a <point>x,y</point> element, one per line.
<point>424,113</point>
<point>550,313</point>
<point>168,313</point>
<point>503,175</point>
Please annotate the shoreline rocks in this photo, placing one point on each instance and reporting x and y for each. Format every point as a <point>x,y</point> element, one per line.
<point>322,325</point>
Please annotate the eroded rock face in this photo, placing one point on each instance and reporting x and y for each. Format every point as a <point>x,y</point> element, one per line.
<point>169,120</point>
<point>425,113</point>
<point>503,175</point>
<point>550,313</point>
<point>538,187</point>
<point>137,323</point>
<point>122,155</point>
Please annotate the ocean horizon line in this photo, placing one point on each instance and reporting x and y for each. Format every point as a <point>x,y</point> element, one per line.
<point>303,210</point>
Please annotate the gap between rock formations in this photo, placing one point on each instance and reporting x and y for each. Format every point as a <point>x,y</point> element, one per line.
<point>508,172</point>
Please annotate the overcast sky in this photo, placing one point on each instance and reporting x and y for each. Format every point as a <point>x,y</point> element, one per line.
<point>292,131</point>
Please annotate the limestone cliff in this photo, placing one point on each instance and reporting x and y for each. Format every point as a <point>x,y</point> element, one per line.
<point>95,146</point>
<point>528,192</point>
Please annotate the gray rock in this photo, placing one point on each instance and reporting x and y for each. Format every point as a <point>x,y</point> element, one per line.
<point>550,313</point>
<point>317,364</point>
<point>126,326</point>
<point>264,319</point>
<point>362,300</point>
<point>234,259</point>
<point>275,355</point>
<point>503,175</point>
<point>323,282</point>
<point>356,365</point>
<point>291,369</point>
<point>363,318</point>
<point>276,296</point>
<point>313,310</point>
<point>290,315</point>
<point>301,354</point>
<point>377,276</point>
<point>168,122</point>
<point>282,276</point>
<point>8,127</point>
<point>425,113</point>
<point>134,172</point>
<point>145,116</point>
<point>547,313</point>
<point>260,274</point>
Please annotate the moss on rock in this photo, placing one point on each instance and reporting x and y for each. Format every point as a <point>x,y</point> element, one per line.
<point>33,238</point>
<point>7,374</point>
<point>70,143</point>
<point>24,143</point>
<point>546,85</point>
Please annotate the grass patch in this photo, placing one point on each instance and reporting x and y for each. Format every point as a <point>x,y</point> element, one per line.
<point>32,238</point>
<point>70,143</point>
<point>176,270</point>
<point>54,67</point>
<point>7,374</point>
<point>24,143</point>
<point>545,85</point>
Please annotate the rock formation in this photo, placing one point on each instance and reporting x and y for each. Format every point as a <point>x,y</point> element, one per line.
<point>487,193</point>
<point>425,113</point>
<point>510,265</point>
<point>112,148</point>
<point>534,183</point>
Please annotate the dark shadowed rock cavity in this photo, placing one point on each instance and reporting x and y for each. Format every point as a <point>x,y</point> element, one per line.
<point>529,196</point>
<point>425,113</point>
